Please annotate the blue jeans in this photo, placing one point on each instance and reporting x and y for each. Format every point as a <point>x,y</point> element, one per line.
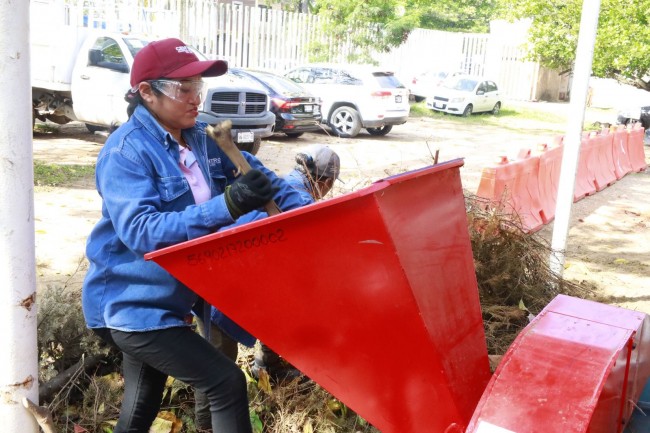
<point>150,357</point>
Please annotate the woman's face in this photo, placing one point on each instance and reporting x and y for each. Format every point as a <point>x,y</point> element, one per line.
<point>176,102</point>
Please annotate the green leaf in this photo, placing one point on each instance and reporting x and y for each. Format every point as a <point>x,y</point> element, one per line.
<point>256,422</point>
<point>522,306</point>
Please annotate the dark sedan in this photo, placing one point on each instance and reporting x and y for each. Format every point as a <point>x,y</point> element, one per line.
<point>296,110</point>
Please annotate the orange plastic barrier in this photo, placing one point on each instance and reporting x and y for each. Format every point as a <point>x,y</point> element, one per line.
<point>550,164</point>
<point>635,147</point>
<point>622,165</point>
<point>602,144</point>
<point>371,294</point>
<point>578,367</point>
<point>514,187</point>
<point>585,178</point>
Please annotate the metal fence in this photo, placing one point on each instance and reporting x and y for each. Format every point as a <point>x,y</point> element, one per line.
<point>271,39</point>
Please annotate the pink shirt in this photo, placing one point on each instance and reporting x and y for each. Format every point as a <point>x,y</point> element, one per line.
<point>194,176</point>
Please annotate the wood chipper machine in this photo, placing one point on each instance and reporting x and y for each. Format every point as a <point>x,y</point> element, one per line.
<point>373,295</point>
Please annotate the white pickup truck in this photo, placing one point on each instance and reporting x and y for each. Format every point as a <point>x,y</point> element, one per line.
<point>81,74</point>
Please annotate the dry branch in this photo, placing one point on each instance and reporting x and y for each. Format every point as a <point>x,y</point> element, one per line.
<point>42,416</point>
<point>51,387</point>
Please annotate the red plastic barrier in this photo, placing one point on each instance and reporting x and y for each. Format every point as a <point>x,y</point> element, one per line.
<point>550,164</point>
<point>372,294</point>
<point>585,178</point>
<point>580,366</point>
<point>622,165</point>
<point>514,187</point>
<point>635,147</point>
<point>603,159</point>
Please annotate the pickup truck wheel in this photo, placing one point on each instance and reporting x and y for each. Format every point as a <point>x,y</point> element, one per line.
<point>345,122</point>
<point>251,148</point>
<point>294,134</point>
<point>380,131</point>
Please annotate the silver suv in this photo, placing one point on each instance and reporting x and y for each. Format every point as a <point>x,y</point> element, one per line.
<point>355,97</point>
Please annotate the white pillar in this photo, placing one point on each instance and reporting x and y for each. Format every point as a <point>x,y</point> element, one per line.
<point>19,353</point>
<point>572,139</point>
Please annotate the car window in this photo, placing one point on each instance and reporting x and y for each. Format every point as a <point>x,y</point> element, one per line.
<point>347,78</point>
<point>491,86</point>
<point>106,53</point>
<point>482,87</point>
<point>322,76</point>
<point>464,84</point>
<point>279,84</point>
<point>388,80</point>
<point>301,75</point>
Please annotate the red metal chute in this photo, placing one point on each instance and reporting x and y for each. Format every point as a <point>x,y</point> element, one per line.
<point>371,294</point>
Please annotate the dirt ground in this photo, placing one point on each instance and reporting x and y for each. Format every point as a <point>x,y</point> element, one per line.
<point>607,242</point>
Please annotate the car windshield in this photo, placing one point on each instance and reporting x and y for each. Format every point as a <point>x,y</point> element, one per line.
<point>135,44</point>
<point>464,84</point>
<point>388,80</point>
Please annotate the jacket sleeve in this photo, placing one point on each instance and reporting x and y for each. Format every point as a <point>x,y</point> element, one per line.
<point>149,212</point>
<point>287,197</point>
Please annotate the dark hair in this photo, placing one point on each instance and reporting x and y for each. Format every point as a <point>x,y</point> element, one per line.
<point>134,99</point>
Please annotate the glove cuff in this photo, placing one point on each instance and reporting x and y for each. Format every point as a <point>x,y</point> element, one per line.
<point>235,212</point>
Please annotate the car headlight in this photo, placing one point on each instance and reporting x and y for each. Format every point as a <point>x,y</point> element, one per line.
<point>456,100</point>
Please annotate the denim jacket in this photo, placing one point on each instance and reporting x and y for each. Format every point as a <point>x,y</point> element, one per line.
<point>147,204</point>
<point>298,180</point>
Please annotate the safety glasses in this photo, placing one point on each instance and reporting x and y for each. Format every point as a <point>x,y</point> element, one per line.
<point>180,90</point>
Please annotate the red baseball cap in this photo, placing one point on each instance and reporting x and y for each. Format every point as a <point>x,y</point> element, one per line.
<point>171,58</point>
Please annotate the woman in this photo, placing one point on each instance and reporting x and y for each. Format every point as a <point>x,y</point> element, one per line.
<point>317,167</point>
<point>163,181</point>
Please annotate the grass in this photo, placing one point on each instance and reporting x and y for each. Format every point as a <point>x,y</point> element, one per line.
<point>46,128</point>
<point>60,175</point>
<point>518,116</point>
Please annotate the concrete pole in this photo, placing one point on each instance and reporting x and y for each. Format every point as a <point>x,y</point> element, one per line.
<point>19,353</point>
<point>572,139</point>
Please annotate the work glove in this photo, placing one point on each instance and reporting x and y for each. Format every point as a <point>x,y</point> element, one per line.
<point>249,192</point>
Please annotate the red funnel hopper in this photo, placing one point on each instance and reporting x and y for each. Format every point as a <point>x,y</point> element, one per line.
<point>371,294</point>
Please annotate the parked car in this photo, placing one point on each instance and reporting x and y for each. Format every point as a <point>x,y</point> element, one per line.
<point>355,97</point>
<point>635,114</point>
<point>425,84</point>
<point>464,95</point>
<point>296,110</point>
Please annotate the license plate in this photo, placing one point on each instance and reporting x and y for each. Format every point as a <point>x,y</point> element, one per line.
<point>398,99</point>
<point>309,108</point>
<point>245,137</point>
<point>438,105</point>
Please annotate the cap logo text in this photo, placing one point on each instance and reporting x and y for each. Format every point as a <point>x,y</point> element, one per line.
<point>184,49</point>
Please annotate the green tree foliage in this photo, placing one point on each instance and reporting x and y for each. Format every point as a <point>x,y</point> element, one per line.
<point>622,49</point>
<point>471,16</point>
<point>389,22</point>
